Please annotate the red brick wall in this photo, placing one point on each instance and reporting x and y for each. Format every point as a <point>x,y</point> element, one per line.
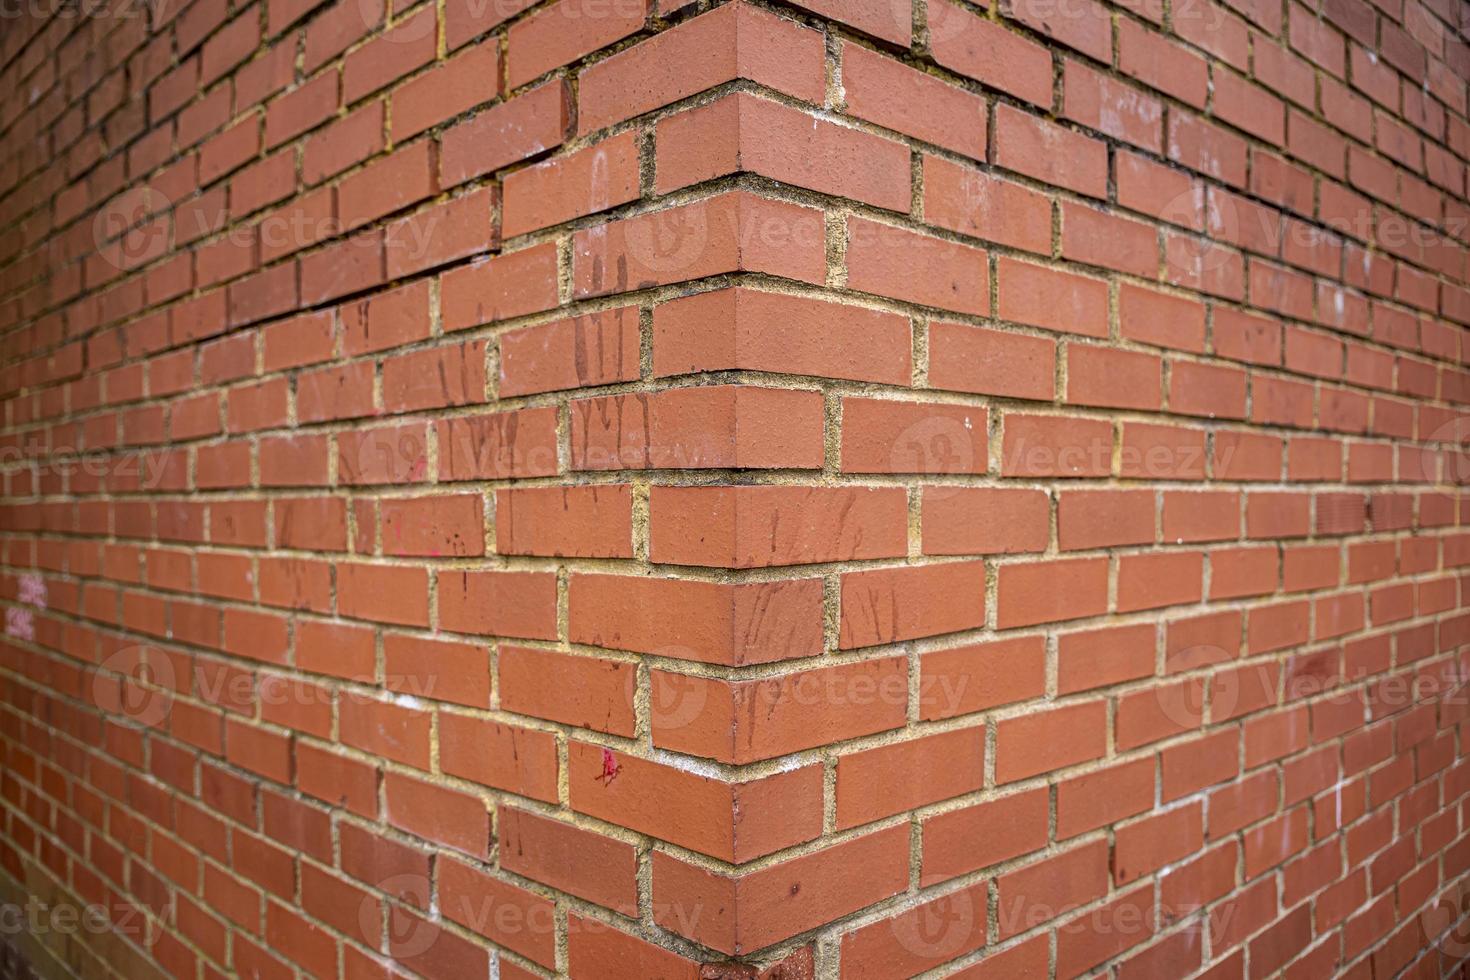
<point>836,489</point>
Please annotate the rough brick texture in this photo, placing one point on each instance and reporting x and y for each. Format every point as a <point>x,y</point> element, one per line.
<point>762,488</point>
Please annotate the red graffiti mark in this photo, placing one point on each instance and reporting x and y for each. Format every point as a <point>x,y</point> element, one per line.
<point>610,768</point>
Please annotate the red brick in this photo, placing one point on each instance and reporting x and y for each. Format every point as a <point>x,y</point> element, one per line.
<point>1050,298</point>
<point>700,621</point>
<point>505,133</point>
<point>1113,378</point>
<point>732,821</point>
<point>981,521</point>
<point>731,232</point>
<point>975,837</point>
<point>1102,103</point>
<point>919,938</point>
<point>301,109</point>
<point>746,721</point>
<point>894,96</point>
<point>1162,319</point>
<point>754,527</point>
<point>593,179</point>
<point>1058,446</point>
<point>600,348</point>
<point>903,265</point>
<point>1052,886</point>
<point>991,362</point>
<point>489,446</point>
<point>504,287</point>
<point>446,90</point>
<point>523,921</point>
<point>588,692</point>
<point>744,134</point>
<point>887,605</point>
<point>1051,591</point>
<point>436,235</point>
<point>699,427</point>
<point>454,672</point>
<point>522,761</point>
<point>972,678</point>
<point>1105,518</point>
<point>984,51</point>
<point>875,783</point>
<point>577,861</point>
<point>724,44</point>
<point>407,46</point>
<point>346,142</point>
<point>387,185</point>
<point>1050,153</point>
<point>762,907</point>
<point>519,604</point>
<point>744,329</point>
<point>590,522</point>
<point>564,32</point>
<point>449,375</point>
<point>972,203</point>
<point>1161,64</point>
<point>884,436</point>
<point>1208,502</point>
<point>1041,741</point>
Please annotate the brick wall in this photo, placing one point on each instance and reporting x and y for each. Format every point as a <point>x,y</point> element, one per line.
<point>728,490</point>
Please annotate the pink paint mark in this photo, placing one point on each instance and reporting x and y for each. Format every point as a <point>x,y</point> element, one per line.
<point>33,591</point>
<point>610,768</point>
<point>20,622</point>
